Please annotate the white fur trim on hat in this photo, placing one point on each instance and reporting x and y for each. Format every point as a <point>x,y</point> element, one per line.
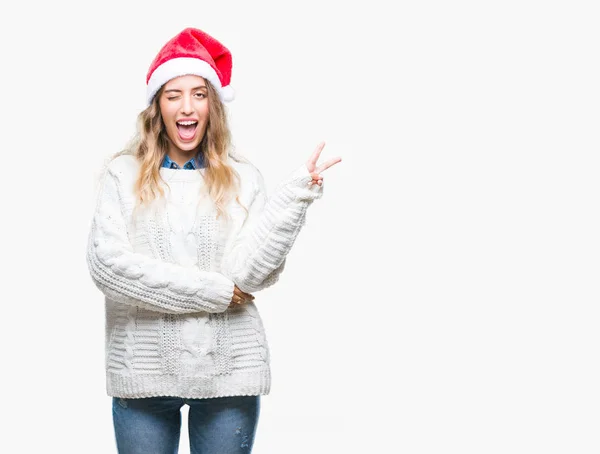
<point>181,67</point>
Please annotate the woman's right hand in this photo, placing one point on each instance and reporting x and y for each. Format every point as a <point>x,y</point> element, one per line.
<point>314,169</point>
<point>240,297</point>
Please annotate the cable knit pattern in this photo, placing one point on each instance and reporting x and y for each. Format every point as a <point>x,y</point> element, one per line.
<point>167,274</point>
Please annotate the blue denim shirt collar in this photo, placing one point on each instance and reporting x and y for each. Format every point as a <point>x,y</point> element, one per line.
<point>192,164</point>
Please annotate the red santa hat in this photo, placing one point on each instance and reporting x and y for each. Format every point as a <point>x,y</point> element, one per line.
<point>191,52</point>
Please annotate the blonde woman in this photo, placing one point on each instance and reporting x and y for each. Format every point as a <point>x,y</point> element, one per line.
<point>182,236</point>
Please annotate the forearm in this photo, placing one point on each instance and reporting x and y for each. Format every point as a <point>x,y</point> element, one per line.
<point>161,287</point>
<point>259,256</point>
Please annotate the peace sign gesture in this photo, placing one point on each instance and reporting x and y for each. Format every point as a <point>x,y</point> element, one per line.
<point>311,165</point>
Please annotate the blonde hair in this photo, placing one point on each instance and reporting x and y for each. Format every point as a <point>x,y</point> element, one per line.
<point>150,146</point>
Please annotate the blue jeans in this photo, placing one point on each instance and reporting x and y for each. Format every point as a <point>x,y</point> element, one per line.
<point>151,425</point>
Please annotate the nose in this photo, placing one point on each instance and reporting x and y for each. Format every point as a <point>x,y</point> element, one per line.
<point>186,105</point>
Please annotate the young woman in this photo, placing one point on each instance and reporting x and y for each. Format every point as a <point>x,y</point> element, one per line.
<point>182,236</point>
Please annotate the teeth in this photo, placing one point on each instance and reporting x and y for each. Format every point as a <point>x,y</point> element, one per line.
<point>187,123</point>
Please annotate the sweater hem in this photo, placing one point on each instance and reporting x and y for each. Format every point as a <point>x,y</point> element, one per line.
<point>244,383</point>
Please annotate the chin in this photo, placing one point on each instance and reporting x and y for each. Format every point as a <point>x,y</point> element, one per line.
<point>188,146</point>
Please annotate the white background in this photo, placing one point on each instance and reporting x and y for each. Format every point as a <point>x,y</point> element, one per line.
<point>443,295</point>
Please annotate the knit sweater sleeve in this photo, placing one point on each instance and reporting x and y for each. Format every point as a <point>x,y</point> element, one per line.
<point>258,256</point>
<point>127,277</point>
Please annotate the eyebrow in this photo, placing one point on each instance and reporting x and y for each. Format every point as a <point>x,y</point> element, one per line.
<point>179,91</point>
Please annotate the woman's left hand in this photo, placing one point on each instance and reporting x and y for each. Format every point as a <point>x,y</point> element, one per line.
<point>315,171</point>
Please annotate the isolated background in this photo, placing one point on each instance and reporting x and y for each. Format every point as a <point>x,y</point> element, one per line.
<point>443,295</point>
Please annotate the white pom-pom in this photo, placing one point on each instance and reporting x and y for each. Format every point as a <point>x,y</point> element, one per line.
<point>227,93</point>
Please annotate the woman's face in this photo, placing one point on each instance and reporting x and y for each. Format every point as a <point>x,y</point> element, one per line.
<point>184,109</point>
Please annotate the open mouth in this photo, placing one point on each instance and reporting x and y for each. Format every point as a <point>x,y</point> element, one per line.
<point>187,129</point>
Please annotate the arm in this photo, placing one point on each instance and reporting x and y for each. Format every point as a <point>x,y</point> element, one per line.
<point>132,278</point>
<point>258,255</point>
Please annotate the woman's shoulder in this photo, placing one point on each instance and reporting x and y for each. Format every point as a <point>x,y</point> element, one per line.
<point>122,164</point>
<point>247,171</point>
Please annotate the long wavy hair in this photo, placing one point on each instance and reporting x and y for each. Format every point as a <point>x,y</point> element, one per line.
<point>150,146</point>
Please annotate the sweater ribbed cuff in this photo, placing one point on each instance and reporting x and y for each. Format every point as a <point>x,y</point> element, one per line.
<point>298,184</point>
<point>219,289</point>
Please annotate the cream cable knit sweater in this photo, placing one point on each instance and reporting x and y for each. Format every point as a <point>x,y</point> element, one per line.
<point>168,274</point>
